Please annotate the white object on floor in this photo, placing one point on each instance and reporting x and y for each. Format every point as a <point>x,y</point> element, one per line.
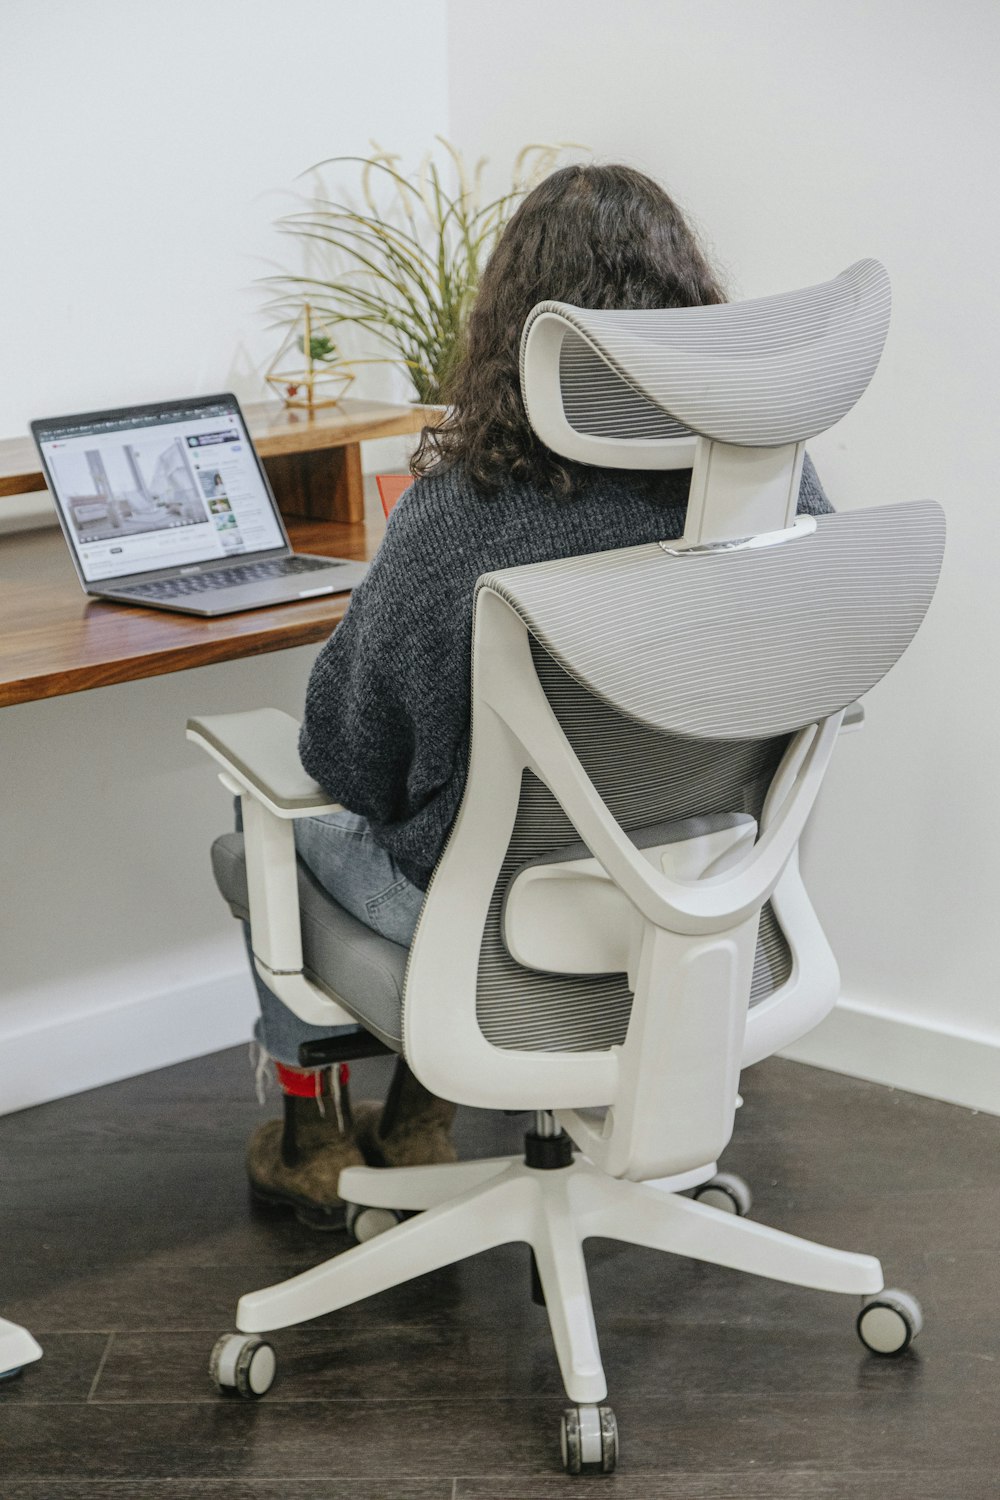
<point>17,1349</point>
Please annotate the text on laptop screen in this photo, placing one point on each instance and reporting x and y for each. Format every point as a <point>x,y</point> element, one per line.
<point>140,493</point>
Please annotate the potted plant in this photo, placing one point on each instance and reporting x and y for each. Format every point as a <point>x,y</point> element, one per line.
<point>405,265</point>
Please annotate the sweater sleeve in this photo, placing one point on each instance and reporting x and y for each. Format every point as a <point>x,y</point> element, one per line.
<point>381,733</point>
<point>812,496</point>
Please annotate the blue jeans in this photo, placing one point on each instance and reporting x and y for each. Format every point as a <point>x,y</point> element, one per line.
<point>363,878</point>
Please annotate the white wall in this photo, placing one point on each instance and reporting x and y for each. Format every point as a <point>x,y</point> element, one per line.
<point>118,954</point>
<point>146,151</point>
<point>801,136</point>
<point>155,146</point>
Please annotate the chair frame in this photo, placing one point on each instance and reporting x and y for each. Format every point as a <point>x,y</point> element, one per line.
<point>669,1118</point>
<point>668,1092</point>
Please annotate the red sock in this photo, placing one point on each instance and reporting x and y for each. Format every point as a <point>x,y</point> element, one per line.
<point>303,1084</point>
<point>307,1083</point>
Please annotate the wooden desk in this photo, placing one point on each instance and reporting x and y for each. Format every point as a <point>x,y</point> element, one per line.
<point>313,461</point>
<point>54,640</point>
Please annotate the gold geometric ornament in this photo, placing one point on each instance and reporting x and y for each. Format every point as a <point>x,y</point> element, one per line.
<point>306,371</point>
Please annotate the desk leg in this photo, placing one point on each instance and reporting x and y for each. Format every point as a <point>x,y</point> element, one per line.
<point>323,486</point>
<point>17,1349</point>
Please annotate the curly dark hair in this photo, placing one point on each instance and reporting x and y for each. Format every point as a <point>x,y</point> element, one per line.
<point>592,236</point>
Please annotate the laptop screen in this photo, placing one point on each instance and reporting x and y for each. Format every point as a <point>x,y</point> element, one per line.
<point>158,487</point>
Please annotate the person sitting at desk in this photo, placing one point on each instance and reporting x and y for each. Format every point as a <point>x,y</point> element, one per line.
<point>386,728</point>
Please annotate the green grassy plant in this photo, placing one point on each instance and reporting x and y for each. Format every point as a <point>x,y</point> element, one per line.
<point>406,264</point>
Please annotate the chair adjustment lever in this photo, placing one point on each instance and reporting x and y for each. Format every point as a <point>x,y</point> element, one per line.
<point>344,1048</point>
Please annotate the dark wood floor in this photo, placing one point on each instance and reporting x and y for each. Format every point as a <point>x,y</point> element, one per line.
<point>127,1239</point>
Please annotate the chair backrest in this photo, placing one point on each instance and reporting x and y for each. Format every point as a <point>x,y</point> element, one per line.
<point>650,729</point>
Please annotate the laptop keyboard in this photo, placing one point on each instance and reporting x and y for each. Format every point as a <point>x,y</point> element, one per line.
<point>228,578</point>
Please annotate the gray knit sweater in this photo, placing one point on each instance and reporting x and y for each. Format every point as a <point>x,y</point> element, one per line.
<point>386,729</point>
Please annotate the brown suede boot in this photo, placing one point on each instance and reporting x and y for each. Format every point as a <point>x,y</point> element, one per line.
<point>410,1130</point>
<point>296,1162</point>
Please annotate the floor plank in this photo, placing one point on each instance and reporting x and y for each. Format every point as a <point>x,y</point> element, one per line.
<point>799,1484</point>
<point>126,1240</point>
<point>345,1487</point>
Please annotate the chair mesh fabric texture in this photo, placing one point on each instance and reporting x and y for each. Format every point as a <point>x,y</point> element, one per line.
<point>738,644</point>
<point>684,707</point>
<point>759,373</point>
<point>598,402</point>
<point>644,777</point>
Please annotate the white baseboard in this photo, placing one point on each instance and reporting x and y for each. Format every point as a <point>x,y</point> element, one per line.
<point>866,1042</point>
<point>58,1057</point>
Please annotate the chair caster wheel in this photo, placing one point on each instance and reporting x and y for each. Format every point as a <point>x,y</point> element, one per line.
<point>365,1223</point>
<point>727,1192</point>
<point>243,1363</point>
<point>588,1437</point>
<point>889,1322</point>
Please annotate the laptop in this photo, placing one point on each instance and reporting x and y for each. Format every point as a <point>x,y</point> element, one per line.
<point>168,506</point>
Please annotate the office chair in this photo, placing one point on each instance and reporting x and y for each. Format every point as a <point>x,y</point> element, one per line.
<point>617,924</point>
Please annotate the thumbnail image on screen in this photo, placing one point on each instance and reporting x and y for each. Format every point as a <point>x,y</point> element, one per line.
<point>116,489</point>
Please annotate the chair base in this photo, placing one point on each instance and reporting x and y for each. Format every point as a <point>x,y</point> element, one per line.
<point>467,1207</point>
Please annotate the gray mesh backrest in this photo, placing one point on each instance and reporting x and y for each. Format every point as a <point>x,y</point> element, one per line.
<point>677,680</point>
<point>759,373</point>
<point>734,644</point>
<point>644,777</point>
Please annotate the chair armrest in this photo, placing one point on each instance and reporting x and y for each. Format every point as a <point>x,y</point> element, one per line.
<point>259,755</point>
<point>259,751</point>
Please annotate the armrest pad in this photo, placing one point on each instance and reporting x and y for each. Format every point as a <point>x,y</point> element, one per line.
<point>260,749</point>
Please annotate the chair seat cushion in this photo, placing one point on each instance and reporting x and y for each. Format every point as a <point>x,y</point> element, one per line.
<point>342,956</point>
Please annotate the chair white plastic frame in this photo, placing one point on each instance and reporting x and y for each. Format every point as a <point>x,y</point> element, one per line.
<point>650,1114</point>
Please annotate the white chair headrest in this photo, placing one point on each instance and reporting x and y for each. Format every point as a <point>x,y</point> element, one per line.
<point>629,389</point>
